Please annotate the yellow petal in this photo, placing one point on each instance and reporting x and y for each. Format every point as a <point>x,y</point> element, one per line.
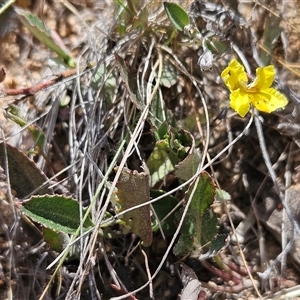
<point>240,102</point>
<point>264,78</point>
<point>234,76</point>
<point>268,100</point>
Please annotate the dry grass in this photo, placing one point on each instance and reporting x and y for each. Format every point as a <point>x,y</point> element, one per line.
<point>100,127</point>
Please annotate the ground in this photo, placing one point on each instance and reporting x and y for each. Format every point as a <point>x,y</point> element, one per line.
<point>109,151</point>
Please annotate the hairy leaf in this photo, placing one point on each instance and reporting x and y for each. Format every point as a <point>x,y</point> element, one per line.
<point>56,212</point>
<point>208,227</point>
<point>25,177</point>
<point>133,189</point>
<point>199,224</point>
<point>188,167</point>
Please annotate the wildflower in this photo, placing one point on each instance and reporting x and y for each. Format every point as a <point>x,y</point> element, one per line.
<point>259,93</point>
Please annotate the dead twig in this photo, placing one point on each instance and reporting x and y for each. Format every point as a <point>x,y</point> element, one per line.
<point>29,91</point>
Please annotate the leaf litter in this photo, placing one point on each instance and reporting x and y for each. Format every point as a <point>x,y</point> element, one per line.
<point>137,69</point>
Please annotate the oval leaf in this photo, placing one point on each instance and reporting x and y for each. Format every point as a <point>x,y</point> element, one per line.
<point>200,224</point>
<point>56,212</point>
<point>177,15</point>
<point>25,177</point>
<point>133,189</point>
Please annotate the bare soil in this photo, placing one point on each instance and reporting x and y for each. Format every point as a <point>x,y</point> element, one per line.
<point>88,29</point>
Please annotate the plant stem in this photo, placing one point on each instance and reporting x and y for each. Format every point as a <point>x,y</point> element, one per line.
<point>6,6</point>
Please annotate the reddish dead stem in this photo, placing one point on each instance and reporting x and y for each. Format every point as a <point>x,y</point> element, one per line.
<point>36,88</point>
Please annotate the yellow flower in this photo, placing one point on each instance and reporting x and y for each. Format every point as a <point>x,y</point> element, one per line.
<point>259,93</point>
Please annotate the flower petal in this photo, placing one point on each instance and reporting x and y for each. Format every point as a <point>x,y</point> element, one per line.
<point>234,76</point>
<point>264,78</point>
<point>240,102</point>
<point>268,100</point>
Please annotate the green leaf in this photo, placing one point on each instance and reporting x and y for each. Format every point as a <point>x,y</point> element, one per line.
<point>56,212</point>
<point>141,20</point>
<point>177,15</point>
<point>130,80</point>
<point>158,112</point>
<point>171,147</point>
<point>43,34</point>
<point>188,167</point>
<point>218,242</point>
<point>199,224</point>
<point>159,164</point>
<point>188,232</point>
<point>25,177</point>
<point>162,209</point>
<point>56,240</point>
<point>133,189</point>
<point>209,226</point>
<point>204,195</point>
<point>222,195</point>
<point>272,31</point>
<point>12,112</point>
<point>212,48</point>
<point>169,74</point>
<point>161,131</point>
<point>216,46</point>
<point>181,142</point>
